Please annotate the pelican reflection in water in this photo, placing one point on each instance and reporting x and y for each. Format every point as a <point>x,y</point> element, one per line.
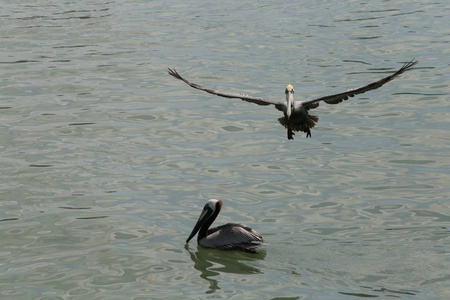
<point>296,116</point>
<point>230,236</point>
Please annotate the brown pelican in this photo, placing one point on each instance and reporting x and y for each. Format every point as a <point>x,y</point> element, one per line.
<point>230,236</point>
<point>296,116</point>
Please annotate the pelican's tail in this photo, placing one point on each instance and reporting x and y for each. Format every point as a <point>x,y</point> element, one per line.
<point>304,126</point>
<point>283,122</point>
<point>313,120</point>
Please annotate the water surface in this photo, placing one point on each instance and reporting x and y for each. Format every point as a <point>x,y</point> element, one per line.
<point>106,161</point>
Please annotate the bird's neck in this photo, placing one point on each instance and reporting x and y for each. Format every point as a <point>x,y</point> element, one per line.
<point>204,229</point>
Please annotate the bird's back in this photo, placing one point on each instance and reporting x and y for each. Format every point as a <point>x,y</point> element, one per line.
<point>232,236</point>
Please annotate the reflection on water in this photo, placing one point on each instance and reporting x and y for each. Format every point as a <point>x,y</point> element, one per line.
<point>211,262</point>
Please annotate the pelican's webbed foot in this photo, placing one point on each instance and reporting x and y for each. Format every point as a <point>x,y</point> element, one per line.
<point>308,133</point>
<point>290,134</point>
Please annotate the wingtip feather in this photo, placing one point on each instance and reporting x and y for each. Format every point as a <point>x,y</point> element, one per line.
<point>173,73</point>
<point>408,65</point>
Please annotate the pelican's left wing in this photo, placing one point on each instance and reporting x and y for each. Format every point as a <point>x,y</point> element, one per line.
<point>245,97</point>
<point>232,236</point>
<point>338,98</point>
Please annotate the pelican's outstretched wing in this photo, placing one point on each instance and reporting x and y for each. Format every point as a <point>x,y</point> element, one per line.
<point>245,97</point>
<point>338,98</point>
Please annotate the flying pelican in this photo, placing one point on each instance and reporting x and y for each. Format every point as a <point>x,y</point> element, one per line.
<point>230,236</point>
<point>296,116</point>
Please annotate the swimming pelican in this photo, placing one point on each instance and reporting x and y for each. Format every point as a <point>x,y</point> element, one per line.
<point>296,116</point>
<point>230,236</point>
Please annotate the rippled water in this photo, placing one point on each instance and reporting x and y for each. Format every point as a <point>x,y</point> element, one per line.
<point>106,161</point>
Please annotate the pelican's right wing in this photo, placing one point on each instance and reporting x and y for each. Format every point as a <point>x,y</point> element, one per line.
<point>245,97</point>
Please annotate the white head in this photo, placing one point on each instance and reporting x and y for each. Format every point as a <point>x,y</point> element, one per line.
<point>212,203</point>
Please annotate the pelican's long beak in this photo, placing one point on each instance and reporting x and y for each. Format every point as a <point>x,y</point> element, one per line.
<point>289,99</point>
<point>206,213</point>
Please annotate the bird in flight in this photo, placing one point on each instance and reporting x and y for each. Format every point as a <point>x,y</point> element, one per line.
<point>296,116</point>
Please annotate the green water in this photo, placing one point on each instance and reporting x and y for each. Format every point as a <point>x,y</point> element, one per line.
<point>106,161</point>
